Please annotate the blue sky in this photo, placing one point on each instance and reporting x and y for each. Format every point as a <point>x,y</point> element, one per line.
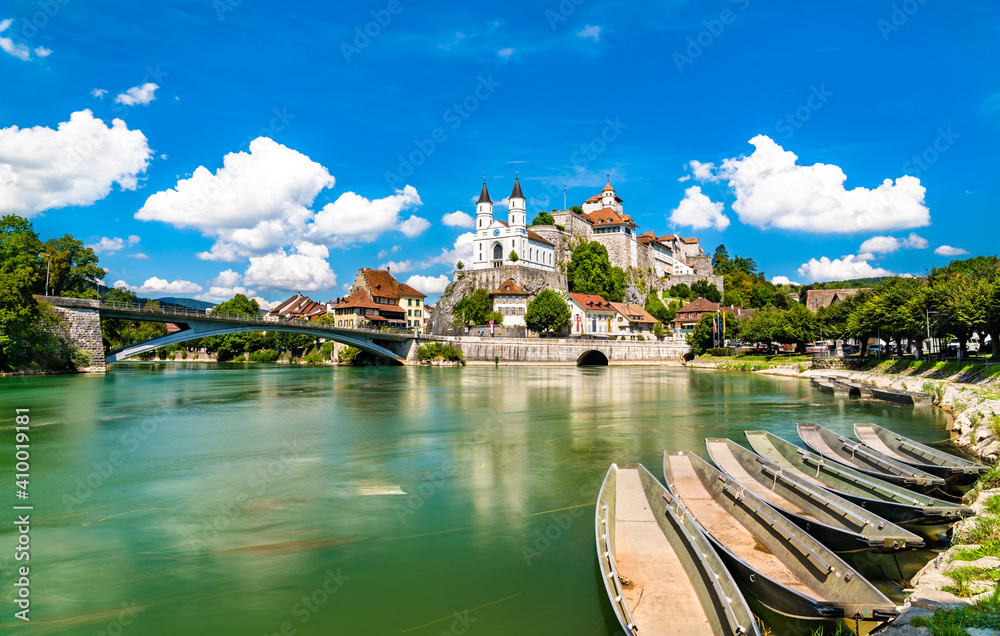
<point>271,149</point>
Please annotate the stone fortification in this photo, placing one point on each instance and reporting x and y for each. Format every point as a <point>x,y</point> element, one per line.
<point>82,323</point>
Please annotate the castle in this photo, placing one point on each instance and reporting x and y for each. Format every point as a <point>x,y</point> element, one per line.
<point>544,247</point>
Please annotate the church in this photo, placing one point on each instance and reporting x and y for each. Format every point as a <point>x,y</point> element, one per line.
<point>499,243</point>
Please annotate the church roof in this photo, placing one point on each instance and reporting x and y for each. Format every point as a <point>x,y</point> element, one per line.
<point>516,192</point>
<point>608,188</point>
<point>510,287</point>
<point>535,237</point>
<point>484,196</point>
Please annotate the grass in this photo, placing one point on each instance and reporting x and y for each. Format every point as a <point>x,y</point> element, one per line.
<point>995,425</point>
<point>965,579</point>
<point>984,614</point>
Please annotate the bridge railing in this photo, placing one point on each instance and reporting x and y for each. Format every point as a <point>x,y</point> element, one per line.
<point>260,318</point>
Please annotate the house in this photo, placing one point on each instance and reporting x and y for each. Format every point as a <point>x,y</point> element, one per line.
<point>634,318</point>
<point>298,307</point>
<point>689,315</point>
<point>816,299</point>
<point>359,310</point>
<point>511,301</point>
<point>590,315</point>
<point>383,289</point>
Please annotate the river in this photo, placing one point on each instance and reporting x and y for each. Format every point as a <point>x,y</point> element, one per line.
<point>193,498</point>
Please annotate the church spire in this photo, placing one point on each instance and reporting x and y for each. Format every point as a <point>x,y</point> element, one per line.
<point>516,192</point>
<point>484,196</point>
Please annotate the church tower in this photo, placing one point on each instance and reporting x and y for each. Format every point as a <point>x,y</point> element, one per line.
<point>516,212</point>
<point>484,209</point>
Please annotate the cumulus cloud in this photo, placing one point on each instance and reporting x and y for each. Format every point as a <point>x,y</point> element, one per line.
<point>461,251</point>
<point>392,250</point>
<point>99,93</point>
<point>845,268</point>
<point>138,95</point>
<point>75,164</point>
<point>138,255</point>
<point>159,286</point>
<point>458,219</point>
<point>225,286</point>
<point>698,211</point>
<point>429,284</point>
<point>948,250</point>
<point>41,51</point>
<point>505,53</point>
<point>108,245</point>
<point>888,244</point>
<point>398,267</point>
<point>20,51</point>
<point>414,226</point>
<point>773,190</point>
<point>590,31</point>
<point>782,280</point>
<point>304,270</point>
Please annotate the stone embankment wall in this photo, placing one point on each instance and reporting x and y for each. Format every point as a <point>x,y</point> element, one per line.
<point>568,351</point>
<point>83,321</point>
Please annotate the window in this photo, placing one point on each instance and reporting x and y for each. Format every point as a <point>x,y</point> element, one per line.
<point>409,302</point>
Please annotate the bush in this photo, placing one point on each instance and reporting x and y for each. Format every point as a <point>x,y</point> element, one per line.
<point>314,358</point>
<point>79,358</point>
<point>264,355</point>
<point>719,352</point>
<point>640,337</point>
<point>348,354</point>
<point>183,354</point>
<point>440,351</point>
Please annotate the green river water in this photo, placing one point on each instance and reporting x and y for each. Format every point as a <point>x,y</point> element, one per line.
<point>201,499</point>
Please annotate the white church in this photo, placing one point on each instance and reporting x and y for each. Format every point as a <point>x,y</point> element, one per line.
<point>498,242</point>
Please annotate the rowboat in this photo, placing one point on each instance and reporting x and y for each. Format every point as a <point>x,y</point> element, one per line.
<point>857,388</point>
<point>956,470</point>
<point>862,458</point>
<point>837,523</point>
<point>832,387</point>
<point>649,549</point>
<point>903,397</point>
<point>889,501</point>
<point>774,561</point>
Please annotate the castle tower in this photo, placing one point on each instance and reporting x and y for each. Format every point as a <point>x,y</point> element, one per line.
<point>516,211</point>
<point>608,195</point>
<point>484,209</point>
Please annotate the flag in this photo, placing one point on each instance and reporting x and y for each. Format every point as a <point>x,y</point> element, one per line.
<point>715,323</point>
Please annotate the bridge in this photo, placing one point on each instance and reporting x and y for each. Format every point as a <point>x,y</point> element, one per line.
<point>84,315</point>
<point>573,350</point>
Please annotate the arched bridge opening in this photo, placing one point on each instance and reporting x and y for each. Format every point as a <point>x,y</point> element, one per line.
<point>592,358</point>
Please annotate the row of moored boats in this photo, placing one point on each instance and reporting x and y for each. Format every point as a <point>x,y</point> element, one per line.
<point>770,523</point>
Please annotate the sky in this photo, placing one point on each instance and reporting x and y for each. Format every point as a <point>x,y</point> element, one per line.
<point>212,147</point>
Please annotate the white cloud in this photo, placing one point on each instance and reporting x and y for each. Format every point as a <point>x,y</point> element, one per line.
<point>159,286</point>
<point>846,268</point>
<point>392,250</point>
<point>773,190</point>
<point>948,250</point>
<point>590,31</point>
<point>429,284</point>
<point>698,211</point>
<point>703,171</point>
<point>41,51</point>
<point>505,53</point>
<point>138,95</point>
<point>865,256</point>
<point>414,226</point>
<point>782,280</point>
<point>76,164</point>
<point>108,245</point>
<point>20,51</point>
<point>888,244</point>
<point>304,270</point>
<point>458,219</point>
<point>133,239</point>
<point>99,93</point>
<point>461,251</point>
<point>398,267</point>
<point>138,255</point>
<point>224,286</point>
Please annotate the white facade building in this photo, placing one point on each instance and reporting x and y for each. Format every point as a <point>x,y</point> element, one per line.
<point>495,239</point>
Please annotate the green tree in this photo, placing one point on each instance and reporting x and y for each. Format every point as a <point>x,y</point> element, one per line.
<point>73,270</point>
<point>765,326</point>
<point>680,290</point>
<point>237,305</point>
<point>590,272</point>
<point>732,299</point>
<point>704,289</point>
<point>659,332</point>
<point>721,264</point>
<point>703,335</point>
<point>21,319</point>
<point>761,295</point>
<point>658,310</point>
<point>543,218</point>
<point>992,326</point>
<point>547,312</point>
<point>797,326</point>
<point>475,309</point>
<point>460,265</point>
<point>513,256</point>
<point>576,208</point>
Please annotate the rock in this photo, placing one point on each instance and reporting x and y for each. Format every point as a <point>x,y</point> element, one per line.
<point>979,631</point>
<point>985,563</point>
<point>936,599</point>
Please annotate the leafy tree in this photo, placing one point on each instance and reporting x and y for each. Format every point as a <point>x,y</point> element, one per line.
<point>460,265</point>
<point>576,208</point>
<point>513,256</point>
<point>746,265</point>
<point>547,312</point>
<point>780,300</point>
<point>761,295</point>
<point>765,326</point>
<point>703,335</point>
<point>704,289</point>
<point>590,272</point>
<point>680,290</point>
<point>658,310</point>
<point>992,323</point>
<point>543,218</point>
<point>475,309</point>
<point>659,332</point>
<point>237,305</point>
<point>732,299</point>
<point>797,326</point>
<point>496,317</point>
<point>73,269</point>
<point>721,264</point>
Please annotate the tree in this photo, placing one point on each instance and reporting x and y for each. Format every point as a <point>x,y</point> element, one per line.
<point>732,299</point>
<point>547,312</point>
<point>704,289</point>
<point>513,256</point>
<point>703,334</point>
<point>761,295</point>
<point>680,290</point>
<point>460,265</point>
<point>657,310</point>
<point>73,269</point>
<point>992,325</point>
<point>780,300</point>
<point>475,309</point>
<point>721,264</point>
<point>21,320</point>
<point>658,332</point>
<point>590,272</point>
<point>543,218</point>
<point>237,305</point>
<point>765,326</point>
<point>797,326</point>
<point>576,208</point>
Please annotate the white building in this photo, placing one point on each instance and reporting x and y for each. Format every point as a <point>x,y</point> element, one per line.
<point>497,240</point>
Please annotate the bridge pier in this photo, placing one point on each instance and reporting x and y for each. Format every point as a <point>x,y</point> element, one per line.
<point>83,318</point>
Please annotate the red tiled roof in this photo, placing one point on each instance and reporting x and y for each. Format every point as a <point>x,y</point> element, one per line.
<point>667,237</point>
<point>535,237</point>
<point>690,241</point>
<point>592,301</point>
<point>298,306</point>
<point>817,298</point>
<point>699,305</point>
<point>382,284</point>
<point>406,290</point>
<point>360,298</point>
<point>607,216</point>
<point>633,312</point>
<point>593,199</point>
<point>510,287</point>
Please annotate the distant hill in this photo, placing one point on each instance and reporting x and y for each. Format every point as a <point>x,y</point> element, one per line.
<point>187,302</point>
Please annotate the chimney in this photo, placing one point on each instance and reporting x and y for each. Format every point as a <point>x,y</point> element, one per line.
<point>386,269</point>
